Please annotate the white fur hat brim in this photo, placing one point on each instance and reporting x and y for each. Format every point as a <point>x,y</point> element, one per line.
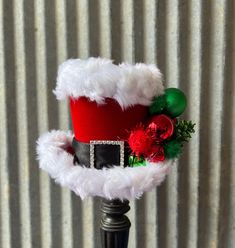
<point>99,78</point>
<point>110,183</point>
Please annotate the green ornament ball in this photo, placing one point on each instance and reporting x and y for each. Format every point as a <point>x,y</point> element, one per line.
<point>158,105</point>
<point>176,102</point>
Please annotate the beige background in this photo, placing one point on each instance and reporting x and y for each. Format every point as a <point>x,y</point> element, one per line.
<point>193,42</point>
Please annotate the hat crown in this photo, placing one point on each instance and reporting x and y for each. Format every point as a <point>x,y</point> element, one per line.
<point>108,121</point>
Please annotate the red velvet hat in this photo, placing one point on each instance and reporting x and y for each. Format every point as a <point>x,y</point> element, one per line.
<point>107,121</point>
<point>114,104</point>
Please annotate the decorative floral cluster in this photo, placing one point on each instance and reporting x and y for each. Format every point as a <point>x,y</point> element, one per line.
<point>162,137</point>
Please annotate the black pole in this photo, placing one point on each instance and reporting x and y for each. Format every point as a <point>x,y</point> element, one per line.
<point>114,224</point>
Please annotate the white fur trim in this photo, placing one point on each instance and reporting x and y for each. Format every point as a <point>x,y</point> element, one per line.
<point>117,182</point>
<point>99,78</point>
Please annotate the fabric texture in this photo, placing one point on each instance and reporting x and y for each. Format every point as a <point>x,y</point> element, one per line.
<point>55,157</point>
<point>98,79</point>
<point>92,121</point>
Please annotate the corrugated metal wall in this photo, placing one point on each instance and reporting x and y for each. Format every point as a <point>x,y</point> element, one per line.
<point>193,42</point>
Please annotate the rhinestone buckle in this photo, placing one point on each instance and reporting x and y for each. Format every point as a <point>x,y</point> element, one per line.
<point>106,142</point>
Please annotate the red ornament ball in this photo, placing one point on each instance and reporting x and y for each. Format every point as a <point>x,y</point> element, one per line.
<point>140,142</point>
<point>161,127</point>
<point>157,154</point>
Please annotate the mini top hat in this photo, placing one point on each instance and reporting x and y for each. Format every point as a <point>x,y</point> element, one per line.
<point>126,134</point>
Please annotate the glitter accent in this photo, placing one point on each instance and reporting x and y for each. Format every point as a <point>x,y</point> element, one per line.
<point>106,142</point>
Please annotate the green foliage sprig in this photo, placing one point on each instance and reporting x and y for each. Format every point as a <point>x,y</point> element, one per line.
<point>172,149</point>
<point>184,130</point>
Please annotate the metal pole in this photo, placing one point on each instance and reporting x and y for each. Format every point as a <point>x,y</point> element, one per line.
<point>114,224</point>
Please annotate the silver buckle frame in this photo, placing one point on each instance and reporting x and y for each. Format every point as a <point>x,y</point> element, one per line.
<point>106,142</point>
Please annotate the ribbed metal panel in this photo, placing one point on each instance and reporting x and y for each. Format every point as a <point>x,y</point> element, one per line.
<point>193,43</point>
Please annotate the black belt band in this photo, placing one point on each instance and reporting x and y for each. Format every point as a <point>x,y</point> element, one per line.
<point>105,155</point>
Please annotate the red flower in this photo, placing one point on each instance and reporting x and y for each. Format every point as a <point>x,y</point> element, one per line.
<point>157,154</point>
<point>160,128</point>
<point>140,142</point>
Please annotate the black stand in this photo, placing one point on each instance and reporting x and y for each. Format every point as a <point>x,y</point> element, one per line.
<point>114,224</point>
